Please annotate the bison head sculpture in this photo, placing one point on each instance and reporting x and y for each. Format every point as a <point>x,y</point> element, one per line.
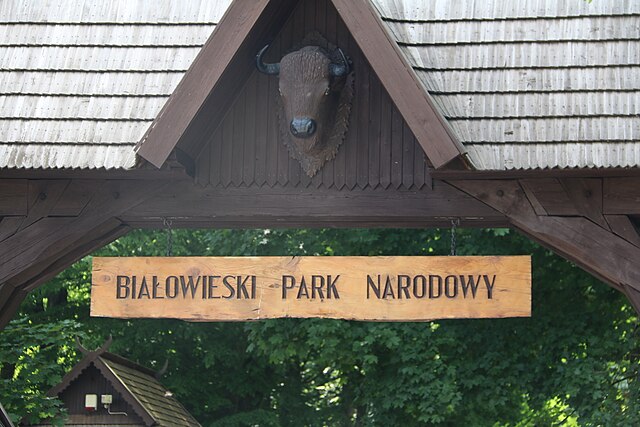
<point>316,92</point>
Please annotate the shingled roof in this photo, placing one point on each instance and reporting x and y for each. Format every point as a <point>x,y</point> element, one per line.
<point>531,83</point>
<point>138,388</point>
<point>80,81</point>
<point>524,85</point>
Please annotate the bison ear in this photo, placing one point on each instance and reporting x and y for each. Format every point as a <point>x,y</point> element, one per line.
<point>340,70</point>
<point>269,69</point>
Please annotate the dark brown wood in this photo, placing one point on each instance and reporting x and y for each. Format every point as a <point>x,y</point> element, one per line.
<point>9,225</point>
<point>14,197</point>
<point>400,81</point>
<point>361,119</point>
<point>249,155</point>
<point>203,75</point>
<point>375,141</point>
<point>262,92</point>
<point>408,144</point>
<point>360,160</point>
<point>202,174</point>
<point>266,207</point>
<point>45,268</point>
<point>594,248</point>
<point>621,196</point>
<point>623,227</point>
<point>76,197</point>
<point>586,196</point>
<point>450,174</point>
<point>43,196</point>
<point>386,111</point>
<point>273,145</point>
<point>397,127</point>
<point>92,381</point>
<point>34,253</point>
<point>238,141</point>
<point>551,195</point>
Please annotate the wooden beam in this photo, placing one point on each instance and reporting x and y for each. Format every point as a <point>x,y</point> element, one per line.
<point>594,248</point>
<point>48,235</point>
<point>45,246</point>
<point>304,222</point>
<point>399,79</point>
<point>9,226</point>
<point>43,196</point>
<point>623,227</point>
<point>44,270</point>
<point>223,65</point>
<point>266,207</point>
<point>13,197</point>
<point>621,196</point>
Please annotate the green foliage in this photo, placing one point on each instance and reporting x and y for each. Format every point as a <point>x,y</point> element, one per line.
<point>32,358</point>
<point>575,362</point>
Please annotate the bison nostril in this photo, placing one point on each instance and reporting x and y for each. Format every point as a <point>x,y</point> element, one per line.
<point>311,127</point>
<point>302,127</point>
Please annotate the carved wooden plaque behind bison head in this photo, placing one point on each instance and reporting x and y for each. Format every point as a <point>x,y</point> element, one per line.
<point>316,94</point>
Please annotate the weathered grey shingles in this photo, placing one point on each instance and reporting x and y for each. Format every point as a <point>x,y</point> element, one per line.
<point>447,10</point>
<point>162,406</point>
<point>80,81</point>
<point>515,54</point>
<point>529,84</point>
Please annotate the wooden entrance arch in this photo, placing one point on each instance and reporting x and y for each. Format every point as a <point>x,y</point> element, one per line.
<point>212,158</point>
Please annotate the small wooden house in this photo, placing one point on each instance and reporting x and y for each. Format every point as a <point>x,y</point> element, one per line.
<point>105,389</point>
<point>4,418</point>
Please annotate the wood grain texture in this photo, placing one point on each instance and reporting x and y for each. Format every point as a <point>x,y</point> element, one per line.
<point>594,248</point>
<point>199,81</point>
<point>359,288</point>
<point>363,160</point>
<point>623,227</point>
<point>621,196</point>
<point>14,197</point>
<point>400,81</point>
<point>268,207</point>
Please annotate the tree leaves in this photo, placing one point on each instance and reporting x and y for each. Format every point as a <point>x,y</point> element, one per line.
<point>575,362</point>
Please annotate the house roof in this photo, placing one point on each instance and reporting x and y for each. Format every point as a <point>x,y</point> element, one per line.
<point>5,421</point>
<point>138,386</point>
<point>523,85</point>
<point>80,82</point>
<point>529,84</point>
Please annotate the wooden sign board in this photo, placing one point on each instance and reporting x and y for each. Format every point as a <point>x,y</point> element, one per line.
<point>395,288</point>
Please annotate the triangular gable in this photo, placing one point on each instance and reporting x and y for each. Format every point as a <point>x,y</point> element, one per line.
<point>92,361</point>
<point>136,385</point>
<point>379,151</point>
<point>227,60</point>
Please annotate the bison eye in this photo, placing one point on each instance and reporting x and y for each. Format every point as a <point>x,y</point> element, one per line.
<point>327,91</point>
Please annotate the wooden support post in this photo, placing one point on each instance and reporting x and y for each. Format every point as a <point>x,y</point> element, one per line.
<point>36,247</point>
<point>577,233</point>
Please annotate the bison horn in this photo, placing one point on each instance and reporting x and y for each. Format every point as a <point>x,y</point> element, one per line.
<point>270,69</point>
<point>340,70</point>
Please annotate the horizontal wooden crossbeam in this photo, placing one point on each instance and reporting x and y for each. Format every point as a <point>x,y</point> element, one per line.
<point>568,216</point>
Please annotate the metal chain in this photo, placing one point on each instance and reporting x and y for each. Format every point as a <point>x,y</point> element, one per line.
<point>167,224</point>
<point>454,224</point>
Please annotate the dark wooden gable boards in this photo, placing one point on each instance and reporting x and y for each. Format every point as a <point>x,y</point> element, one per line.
<point>224,67</point>
<point>380,150</point>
